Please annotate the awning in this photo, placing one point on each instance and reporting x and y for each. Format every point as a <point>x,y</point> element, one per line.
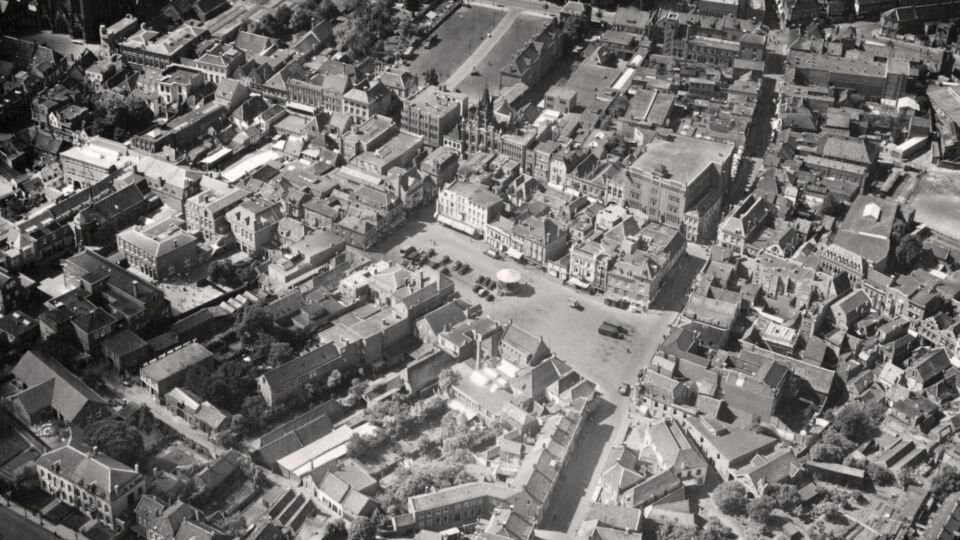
<point>453,224</point>
<point>514,254</point>
<point>578,283</point>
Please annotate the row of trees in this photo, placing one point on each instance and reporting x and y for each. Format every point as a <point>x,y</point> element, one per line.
<point>369,24</point>
<point>286,21</point>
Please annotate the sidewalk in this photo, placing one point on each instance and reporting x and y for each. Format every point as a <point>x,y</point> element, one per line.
<point>16,522</point>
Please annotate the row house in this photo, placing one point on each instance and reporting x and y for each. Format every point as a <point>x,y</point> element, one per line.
<point>637,277</point>
<point>534,239</point>
<point>161,250</point>
<point>99,486</point>
<point>468,207</point>
<point>254,224</point>
<point>206,213</point>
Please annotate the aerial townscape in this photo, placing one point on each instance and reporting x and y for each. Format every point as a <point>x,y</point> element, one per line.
<point>479,269</point>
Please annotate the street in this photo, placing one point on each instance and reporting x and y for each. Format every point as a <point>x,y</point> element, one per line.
<point>14,526</point>
<point>541,308</point>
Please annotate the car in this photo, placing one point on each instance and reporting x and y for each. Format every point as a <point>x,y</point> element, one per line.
<point>435,265</point>
<point>457,265</point>
<point>575,304</point>
<point>431,252</point>
<point>482,292</point>
<point>477,288</point>
<point>445,271</point>
<point>493,254</point>
<point>445,259</point>
<point>624,389</point>
<point>489,297</point>
<point>479,280</point>
<point>465,269</point>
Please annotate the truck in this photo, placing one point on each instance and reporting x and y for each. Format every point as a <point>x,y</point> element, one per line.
<point>610,330</point>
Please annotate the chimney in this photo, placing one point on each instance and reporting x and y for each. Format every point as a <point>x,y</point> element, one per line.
<point>135,289</point>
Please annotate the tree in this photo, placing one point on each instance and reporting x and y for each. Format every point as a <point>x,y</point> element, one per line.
<point>333,527</point>
<point>731,498</point>
<point>945,483</point>
<point>27,477</point>
<point>116,439</point>
<point>447,380</point>
<point>362,528</point>
<point>828,453</point>
<point>251,323</point>
<point>279,353</point>
<point>357,389</point>
<point>783,496</point>
<point>830,512</point>
<point>411,5</point>
<point>832,206</point>
<point>853,422</point>
<point>431,77</point>
<point>450,424</point>
<point>908,252</point>
<point>223,272</point>
<point>334,380</point>
<point>714,530</point>
<point>573,30</point>
<point>760,510</point>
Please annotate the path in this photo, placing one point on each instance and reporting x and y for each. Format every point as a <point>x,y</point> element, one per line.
<point>466,68</point>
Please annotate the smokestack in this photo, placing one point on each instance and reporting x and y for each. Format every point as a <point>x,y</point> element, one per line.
<point>136,291</point>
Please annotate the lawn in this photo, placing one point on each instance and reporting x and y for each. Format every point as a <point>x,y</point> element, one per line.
<point>522,29</point>
<point>456,38</point>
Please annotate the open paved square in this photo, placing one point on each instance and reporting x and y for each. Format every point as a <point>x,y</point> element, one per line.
<point>483,67</point>
<point>456,39</point>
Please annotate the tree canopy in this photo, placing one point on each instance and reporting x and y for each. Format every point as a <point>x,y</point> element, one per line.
<point>115,438</point>
<point>909,252</point>
<point>731,498</point>
<point>362,528</point>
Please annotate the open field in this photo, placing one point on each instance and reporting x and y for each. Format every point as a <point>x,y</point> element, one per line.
<point>936,200</point>
<point>456,39</point>
<point>522,29</point>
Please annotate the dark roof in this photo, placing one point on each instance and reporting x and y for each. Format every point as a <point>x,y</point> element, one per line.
<point>67,394</point>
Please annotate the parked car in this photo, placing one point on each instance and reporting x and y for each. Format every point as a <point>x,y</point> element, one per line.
<point>465,269</point>
<point>431,252</point>
<point>477,288</point>
<point>624,389</point>
<point>457,265</point>
<point>575,304</point>
<point>435,265</point>
<point>445,259</point>
<point>445,271</point>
